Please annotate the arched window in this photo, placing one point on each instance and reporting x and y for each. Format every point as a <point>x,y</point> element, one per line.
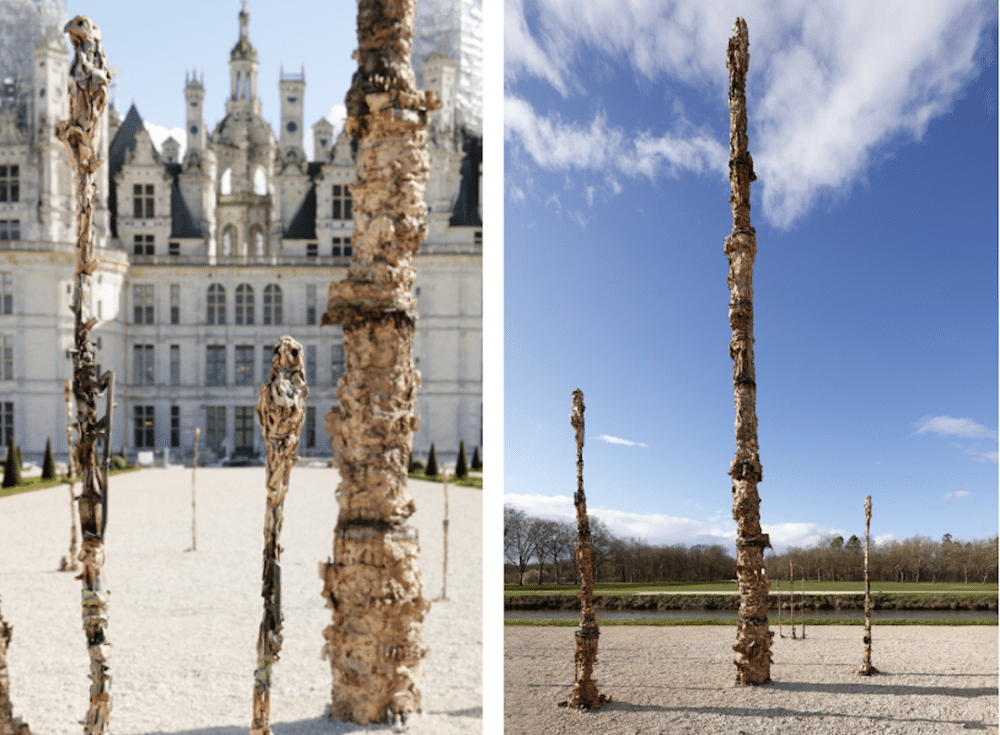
<point>216,303</point>
<point>226,182</point>
<point>259,181</point>
<point>244,304</point>
<point>272,304</point>
<point>228,240</point>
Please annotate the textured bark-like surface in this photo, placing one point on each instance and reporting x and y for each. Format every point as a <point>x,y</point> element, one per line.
<point>9,725</point>
<point>444,524</point>
<point>866,665</point>
<point>753,635</point>
<point>88,94</point>
<point>281,409</point>
<point>584,692</point>
<point>69,563</point>
<point>373,583</point>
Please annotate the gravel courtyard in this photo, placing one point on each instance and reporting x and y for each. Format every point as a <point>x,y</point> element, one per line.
<point>183,625</point>
<point>679,680</point>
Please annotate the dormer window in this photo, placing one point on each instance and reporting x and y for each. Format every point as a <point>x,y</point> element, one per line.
<point>342,202</point>
<point>143,201</point>
<point>10,183</point>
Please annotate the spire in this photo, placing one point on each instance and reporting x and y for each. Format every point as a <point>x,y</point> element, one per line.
<point>244,23</point>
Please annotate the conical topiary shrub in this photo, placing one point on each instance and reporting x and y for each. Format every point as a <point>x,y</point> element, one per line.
<point>11,472</point>
<point>17,459</point>
<point>49,465</point>
<point>461,469</point>
<point>432,463</point>
<point>477,464</point>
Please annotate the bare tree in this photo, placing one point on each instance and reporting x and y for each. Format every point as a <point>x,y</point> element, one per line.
<point>520,539</point>
<point>281,409</point>
<point>88,95</point>
<point>373,583</point>
<point>753,635</point>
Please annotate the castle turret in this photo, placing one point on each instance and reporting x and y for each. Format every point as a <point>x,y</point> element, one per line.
<point>194,94</point>
<point>322,140</point>
<point>292,88</point>
<point>243,71</point>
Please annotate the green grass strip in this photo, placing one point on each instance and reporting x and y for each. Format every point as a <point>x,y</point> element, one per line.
<point>727,622</point>
<point>37,483</point>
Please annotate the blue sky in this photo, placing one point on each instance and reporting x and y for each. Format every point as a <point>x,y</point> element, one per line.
<point>153,48</point>
<point>874,136</point>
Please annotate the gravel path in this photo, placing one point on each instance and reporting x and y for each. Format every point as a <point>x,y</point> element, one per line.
<point>183,626</point>
<point>935,680</point>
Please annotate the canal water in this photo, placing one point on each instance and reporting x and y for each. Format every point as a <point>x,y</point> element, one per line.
<point>731,614</point>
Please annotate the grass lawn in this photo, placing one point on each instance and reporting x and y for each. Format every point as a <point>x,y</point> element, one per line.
<point>467,481</point>
<point>726,622</point>
<point>610,588</point>
<point>37,483</point>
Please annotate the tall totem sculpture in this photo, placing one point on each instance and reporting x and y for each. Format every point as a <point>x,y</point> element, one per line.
<point>281,409</point>
<point>866,665</point>
<point>373,583</point>
<point>69,563</point>
<point>753,635</point>
<point>88,96</point>
<point>584,694</point>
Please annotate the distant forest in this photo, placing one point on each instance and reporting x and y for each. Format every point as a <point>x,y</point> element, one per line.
<point>538,551</point>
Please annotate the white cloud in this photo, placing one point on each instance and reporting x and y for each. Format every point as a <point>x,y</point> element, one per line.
<point>588,193</point>
<point>337,116</point>
<point>619,440</point>
<point>948,426</point>
<point>884,538</point>
<point>958,495</point>
<point>159,134</point>
<point>659,529</point>
<point>829,81</point>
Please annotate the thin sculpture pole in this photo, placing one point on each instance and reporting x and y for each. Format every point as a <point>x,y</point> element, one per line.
<point>280,410</point>
<point>584,692</point>
<point>866,666</point>
<point>373,583</point>
<point>444,574</point>
<point>69,563</point>
<point>802,606</point>
<point>194,467</point>
<point>88,94</point>
<point>753,635</point>
<point>791,596</point>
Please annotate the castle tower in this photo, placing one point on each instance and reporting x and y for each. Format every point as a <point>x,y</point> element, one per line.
<point>292,88</point>
<point>322,140</point>
<point>194,94</point>
<point>440,76</point>
<point>243,71</point>
<point>55,180</point>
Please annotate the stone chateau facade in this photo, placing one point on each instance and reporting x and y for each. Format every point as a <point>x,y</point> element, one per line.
<point>207,258</point>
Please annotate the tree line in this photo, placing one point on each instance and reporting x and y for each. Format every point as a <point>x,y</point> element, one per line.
<point>540,551</point>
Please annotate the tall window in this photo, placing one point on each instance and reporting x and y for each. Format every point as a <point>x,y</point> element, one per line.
<point>257,236</point>
<point>142,303</point>
<point>10,229</point>
<point>142,365</point>
<point>341,246</point>
<point>337,363</point>
<point>310,426</point>
<point>310,365</point>
<point>175,364</point>
<point>216,304</point>
<point>7,357</point>
<point>6,423</point>
<point>175,426</point>
<point>312,249</point>
<point>226,182</point>
<point>143,201</point>
<point>244,365</point>
<point>215,365</point>
<point>310,304</point>
<point>272,304</point>
<point>145,427</point>
<point>243,430</point>
<point>175,303</point>
<point>259,181</point>
<point>143,245</point>
<point>6,293</point>
<point>215,426</point>
<point>244,304</point>
<point>10,184</point>
<point>342,202</point>
<point>267,360</point>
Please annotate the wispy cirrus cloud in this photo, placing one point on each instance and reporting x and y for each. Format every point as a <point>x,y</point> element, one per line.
<point>948,426</point>
<point>958,495</point>
<point>829,82</point>
<point>623,442</point>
